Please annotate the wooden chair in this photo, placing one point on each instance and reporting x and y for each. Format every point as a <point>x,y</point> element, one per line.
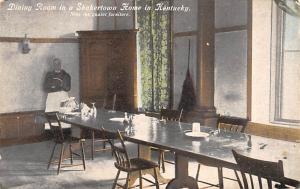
<point>171,115</point>
<point>60,139</point>
<point>269,171</point>
<point>125,164</point>
<point>96,136</point>
<point>110,102</point>
<point>231,124</point>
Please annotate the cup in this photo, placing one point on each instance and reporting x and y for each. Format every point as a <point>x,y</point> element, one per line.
<point>196,127</point>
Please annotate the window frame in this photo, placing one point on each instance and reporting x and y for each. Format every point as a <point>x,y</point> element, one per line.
<point>276,71</point>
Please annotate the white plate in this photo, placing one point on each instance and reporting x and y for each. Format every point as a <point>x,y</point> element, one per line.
<point>119,119</point>
<point>196,134</point>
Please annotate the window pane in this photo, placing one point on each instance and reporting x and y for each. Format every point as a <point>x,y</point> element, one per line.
<point>292,33</point>
<point>290,70</point>
<point>290,100</point>
<point>231,73</point>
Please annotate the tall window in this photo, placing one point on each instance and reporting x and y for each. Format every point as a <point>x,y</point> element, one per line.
<point>154,55</point>
<point>285,85</point>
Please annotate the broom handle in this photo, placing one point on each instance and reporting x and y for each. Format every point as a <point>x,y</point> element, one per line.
<point>189,54</point>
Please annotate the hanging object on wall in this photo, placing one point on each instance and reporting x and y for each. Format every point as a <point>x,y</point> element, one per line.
<point>291,7</point>
<point>188,97</point>
<point>25,45</point>
<point>2,1</point>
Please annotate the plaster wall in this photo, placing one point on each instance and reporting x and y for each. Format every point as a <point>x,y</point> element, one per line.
<point>261,59</point>
<point>15,23</point>
<point>22,75</point>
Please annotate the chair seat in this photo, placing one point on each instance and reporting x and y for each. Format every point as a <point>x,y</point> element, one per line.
<point>137,164</point>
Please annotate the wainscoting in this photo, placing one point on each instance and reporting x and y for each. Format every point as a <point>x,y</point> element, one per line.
<point>21,128</point>
<point>276,132</point>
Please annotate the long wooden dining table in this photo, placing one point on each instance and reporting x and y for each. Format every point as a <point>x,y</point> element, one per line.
<point>215,149</point>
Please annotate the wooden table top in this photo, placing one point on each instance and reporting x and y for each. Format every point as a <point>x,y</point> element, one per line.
<point>215,149</point>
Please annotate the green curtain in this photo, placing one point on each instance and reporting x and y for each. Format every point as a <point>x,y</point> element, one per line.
<point>154,46</point>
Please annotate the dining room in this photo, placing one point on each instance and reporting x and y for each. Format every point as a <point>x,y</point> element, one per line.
<point>149,94</point>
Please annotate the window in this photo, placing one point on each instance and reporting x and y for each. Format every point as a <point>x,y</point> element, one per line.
<point>154,55</point>
<point>285,69</point>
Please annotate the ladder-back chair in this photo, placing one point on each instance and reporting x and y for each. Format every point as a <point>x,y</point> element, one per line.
<point>230,124</point>
<point>262,170</point>
<point>170,115</point>
<point>60,139</point>
<point>125,164</point>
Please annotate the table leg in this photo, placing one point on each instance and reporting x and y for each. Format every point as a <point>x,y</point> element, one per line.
<point>145,153</point>
<point>182,178</point>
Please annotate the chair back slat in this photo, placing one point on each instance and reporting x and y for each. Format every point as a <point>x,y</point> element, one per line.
<point>55,126</point>
<point>114,102</point>
<point>269,183</point>
<point>245,181</point>
<point>260,182</point>
<point>251,180</point>
<point>110,102</point>
<point>172,115</point>
<point>120,152</point>
<point>270,171</point>
<point>233,124</point>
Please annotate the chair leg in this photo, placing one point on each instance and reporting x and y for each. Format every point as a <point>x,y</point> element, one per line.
<point>93,144</point>
<point>163,161</point>
<point>198,172</point>
<point>220,175</point>
<point>82,155</point>
<point>238,179</point>
<point>127,181</point>
<point>159,160</point>
<point>116,180</point>
<point>156,179</point>
<point>71,154</point>
<point>104,145</point>
<point>51,156</point>
<point>60,158</point>
<point>113,142</point>
<point>140,179</point>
